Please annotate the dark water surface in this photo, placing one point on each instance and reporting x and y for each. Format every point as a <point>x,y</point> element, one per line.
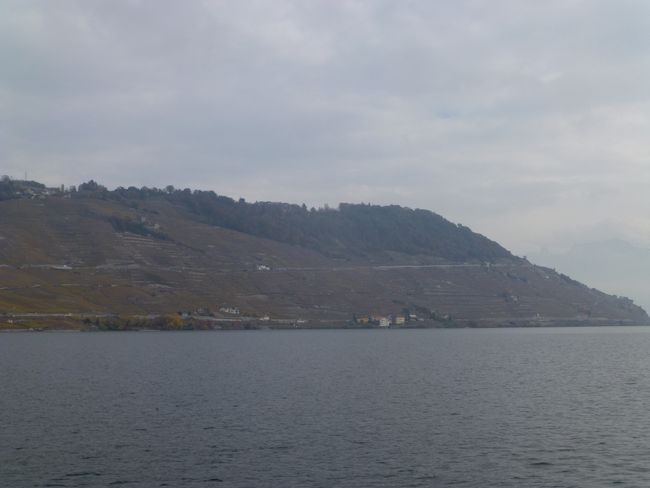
<point>373,408</point>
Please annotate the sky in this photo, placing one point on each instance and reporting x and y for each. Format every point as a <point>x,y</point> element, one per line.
<point>528,121</point>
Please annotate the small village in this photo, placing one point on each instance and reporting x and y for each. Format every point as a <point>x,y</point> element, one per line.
<point>229,313</point>
<point>391,320</point>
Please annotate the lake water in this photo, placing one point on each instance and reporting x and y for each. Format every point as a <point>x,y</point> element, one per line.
<point>370,408</point>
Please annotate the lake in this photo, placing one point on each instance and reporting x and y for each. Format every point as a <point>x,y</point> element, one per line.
<point>327,408</point>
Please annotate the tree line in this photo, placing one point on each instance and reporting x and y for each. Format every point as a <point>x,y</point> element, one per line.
<point>344,231</point>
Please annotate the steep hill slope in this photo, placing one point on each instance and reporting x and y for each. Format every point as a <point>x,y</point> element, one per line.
<point>150,252</point>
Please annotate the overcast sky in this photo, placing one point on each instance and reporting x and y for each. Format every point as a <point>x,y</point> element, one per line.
<point>529,121</point>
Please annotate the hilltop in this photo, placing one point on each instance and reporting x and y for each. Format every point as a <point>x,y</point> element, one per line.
<point>89,253</point>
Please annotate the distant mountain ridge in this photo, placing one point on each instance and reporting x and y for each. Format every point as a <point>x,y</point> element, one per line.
<point>89,250</point>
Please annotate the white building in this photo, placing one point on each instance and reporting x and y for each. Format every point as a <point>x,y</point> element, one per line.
<point>231,310</point>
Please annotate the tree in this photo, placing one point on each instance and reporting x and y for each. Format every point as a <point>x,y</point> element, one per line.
<point>171,322</point>
<point>92,187</point>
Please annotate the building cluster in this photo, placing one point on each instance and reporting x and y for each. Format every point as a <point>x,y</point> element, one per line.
<point>38,192</point>
<point>390,320</point>
<point>230,310</point>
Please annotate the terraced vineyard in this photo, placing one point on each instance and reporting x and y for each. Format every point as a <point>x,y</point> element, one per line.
<point>97,256</point>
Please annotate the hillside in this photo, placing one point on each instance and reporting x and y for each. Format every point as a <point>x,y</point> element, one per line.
<point>90,252</point>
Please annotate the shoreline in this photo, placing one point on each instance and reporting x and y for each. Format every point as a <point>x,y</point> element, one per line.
<point>332,327</point>
<point>154,322</point>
